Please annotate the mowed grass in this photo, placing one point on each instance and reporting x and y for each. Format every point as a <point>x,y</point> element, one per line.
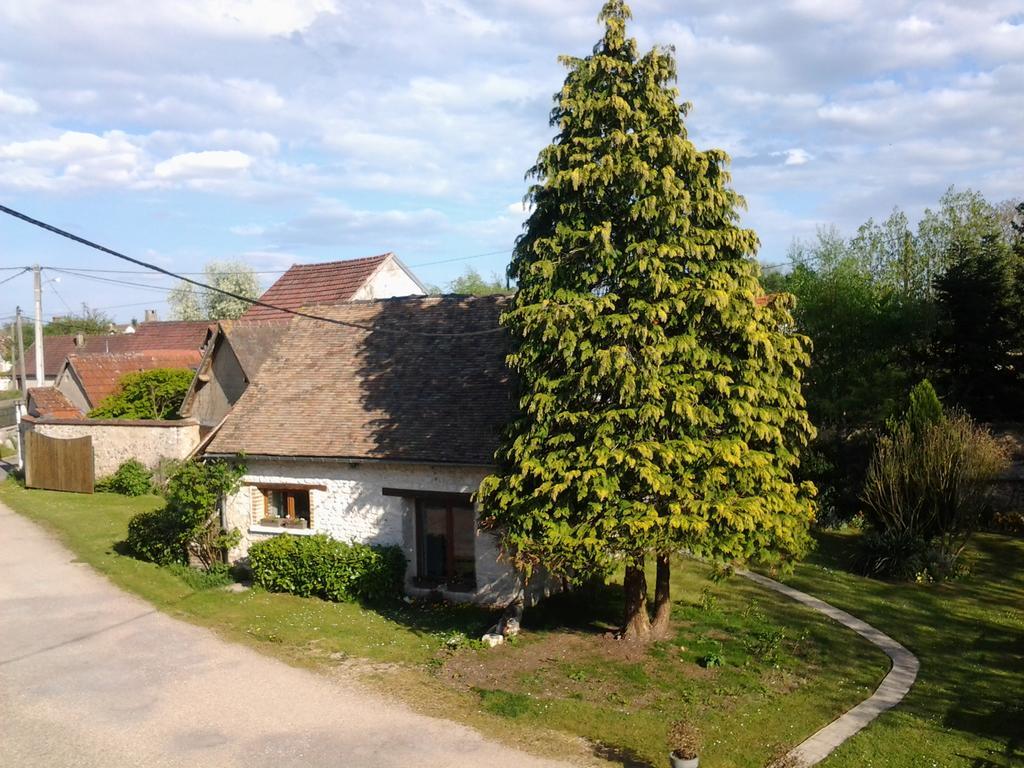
<point>967,707</point>
<point>755,673</point>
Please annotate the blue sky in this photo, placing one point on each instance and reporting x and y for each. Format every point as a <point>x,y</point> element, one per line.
<point>284,132</point>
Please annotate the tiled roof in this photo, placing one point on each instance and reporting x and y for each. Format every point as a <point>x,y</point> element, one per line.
<point>330,391</point>
<point>307,284</point>
<point>50,402</point>
<point>252,342</point>
<point>171,334</point>
<point>168,334</point>
<point>100,374</point>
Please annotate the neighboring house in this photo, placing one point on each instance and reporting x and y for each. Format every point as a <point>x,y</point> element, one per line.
<point>50,403</point>
<point>379,436</point>
<point>335,282</point>
<point>167,335</point>
<point>86,380</point>
<point>232,358</point>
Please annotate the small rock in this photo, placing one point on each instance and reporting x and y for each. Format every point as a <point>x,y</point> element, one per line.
<point>492,640</point>
<point>510,627</point>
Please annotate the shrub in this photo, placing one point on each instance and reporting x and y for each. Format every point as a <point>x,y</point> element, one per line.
<point>157,537</point>
<point>155,394</point>
<point>896,554</point>
<point>929,481</point>
<point>132,478</point>
<point>188,526</point>
<point>319,566</point>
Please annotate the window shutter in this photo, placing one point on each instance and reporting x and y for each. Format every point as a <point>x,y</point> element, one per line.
<point>259,504</point>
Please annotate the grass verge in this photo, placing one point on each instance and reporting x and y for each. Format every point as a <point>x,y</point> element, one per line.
<point>755,673</point>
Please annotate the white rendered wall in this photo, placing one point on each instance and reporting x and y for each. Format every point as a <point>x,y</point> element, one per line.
<point>387,282</point>
<point>354,508</point>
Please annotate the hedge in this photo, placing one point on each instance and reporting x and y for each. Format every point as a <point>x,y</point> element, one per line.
<point>319,566</point>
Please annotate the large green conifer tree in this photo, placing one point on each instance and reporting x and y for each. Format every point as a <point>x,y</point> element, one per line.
<point>660,399</point>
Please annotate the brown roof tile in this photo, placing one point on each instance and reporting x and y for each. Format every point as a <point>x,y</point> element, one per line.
<point>100,374</point>
<point>170,334</point>
<point>330,391</point>
<point>307,284</point>
<point>50,402</point>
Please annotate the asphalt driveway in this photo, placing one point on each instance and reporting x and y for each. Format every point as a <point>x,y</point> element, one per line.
<point>91,676</point>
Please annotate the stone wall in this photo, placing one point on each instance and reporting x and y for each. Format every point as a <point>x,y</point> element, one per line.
<point>116,441</point>
<point>347,503</point>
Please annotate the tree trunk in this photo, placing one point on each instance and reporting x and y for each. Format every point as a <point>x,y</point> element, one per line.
<point>636,626</point>
<point>661,625</point>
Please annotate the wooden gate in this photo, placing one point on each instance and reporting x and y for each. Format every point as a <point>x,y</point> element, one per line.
<point>59,465</point>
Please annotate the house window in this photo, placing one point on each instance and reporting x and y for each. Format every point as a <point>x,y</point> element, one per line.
<point>286,506</point>
<point>446,544</point>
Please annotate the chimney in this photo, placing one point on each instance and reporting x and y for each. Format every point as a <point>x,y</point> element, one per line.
<point>79,340</point>
<point>150,316</point>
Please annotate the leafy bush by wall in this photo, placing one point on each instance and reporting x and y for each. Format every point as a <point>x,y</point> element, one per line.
<point>132,478</point>
<point>319,566</point>
<point>147,395</point>
<point>188,527</point>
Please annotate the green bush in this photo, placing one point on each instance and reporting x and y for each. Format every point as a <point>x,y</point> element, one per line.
<point>928,488</point>
<point>157,537</point>
<point>319,566</point>
<point>131,479</point>
<point>188,527</point>
<point>155,394</point>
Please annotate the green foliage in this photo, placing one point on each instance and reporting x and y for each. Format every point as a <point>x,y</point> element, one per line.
<point>188,527</point>
<point>660,404</point>
<point>473,283</point>
<point>929,481</point>
<point>924,410</point>
<point>219,575</point>
<point>319,566</point>
<point>132,478</point>
<point>189,303</point>
<point>893,554</point>
<point>979,338</point>
<point>155,394</point>
<point>91,322</point>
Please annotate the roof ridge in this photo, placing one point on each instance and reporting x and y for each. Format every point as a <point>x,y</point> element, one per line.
<point>379,256</point>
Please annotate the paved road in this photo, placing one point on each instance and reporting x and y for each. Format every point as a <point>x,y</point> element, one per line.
<point>90,676</point>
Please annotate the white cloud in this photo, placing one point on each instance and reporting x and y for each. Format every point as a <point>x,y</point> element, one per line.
<point>795,156</point>
<point>198,164</point>
<point>16,105</point>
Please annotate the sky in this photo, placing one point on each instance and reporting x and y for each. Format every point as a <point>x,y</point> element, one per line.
<point>297,131</point>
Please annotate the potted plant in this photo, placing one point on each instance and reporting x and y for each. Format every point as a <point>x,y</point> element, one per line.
<point>684,742</point>
<point>271,522</point>
<point>294,522</point>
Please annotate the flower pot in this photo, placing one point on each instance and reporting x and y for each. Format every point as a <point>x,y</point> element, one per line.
<point>683,762</point>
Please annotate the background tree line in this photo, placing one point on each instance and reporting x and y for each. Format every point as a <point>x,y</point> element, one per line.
<point>892,306</point>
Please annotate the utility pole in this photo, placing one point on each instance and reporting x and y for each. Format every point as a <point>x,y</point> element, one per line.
<point>37,275</point>
<point>14,358</point>
<point>21,351</point>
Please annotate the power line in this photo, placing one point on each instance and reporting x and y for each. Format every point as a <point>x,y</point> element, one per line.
<point>255,302</point>
<point>23,271</point>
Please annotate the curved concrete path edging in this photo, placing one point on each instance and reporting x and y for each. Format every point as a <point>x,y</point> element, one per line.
<point>889,693</point>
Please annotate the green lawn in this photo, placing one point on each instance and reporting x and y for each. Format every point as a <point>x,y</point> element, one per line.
<point>967,708</point>
<point>784,671</point>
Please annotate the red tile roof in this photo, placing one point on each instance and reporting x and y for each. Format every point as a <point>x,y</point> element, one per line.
<point>100,374</point>
<point>324,284</point>
<point>171,334</point>
<point>50,402</point>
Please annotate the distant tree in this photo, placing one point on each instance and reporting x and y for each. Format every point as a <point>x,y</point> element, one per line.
<point>473,284</point>
<point>963,219</point>
<point>189,303</point>
<point>977,345</point>
<point>88,321</point>
<point>155,394</point>
<point>661,404</point>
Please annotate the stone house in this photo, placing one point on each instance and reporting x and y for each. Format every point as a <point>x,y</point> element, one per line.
<point>378,428</point>
<point>86,380</point>
<point>334,282</point>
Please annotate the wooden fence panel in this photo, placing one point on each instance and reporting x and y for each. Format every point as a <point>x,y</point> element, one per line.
<point>59,465</point>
